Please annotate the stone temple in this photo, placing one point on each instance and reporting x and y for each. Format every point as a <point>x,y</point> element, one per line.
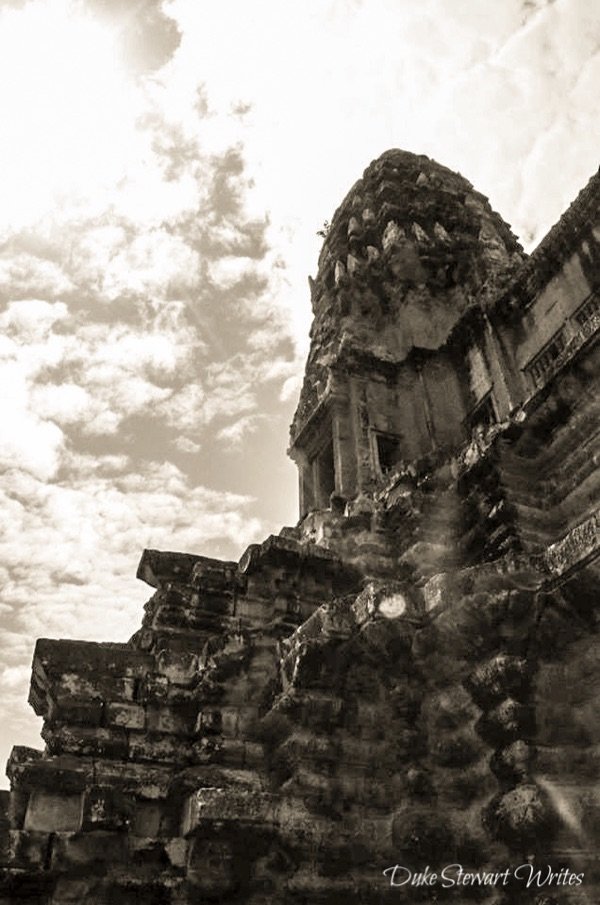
<point>411,675</point>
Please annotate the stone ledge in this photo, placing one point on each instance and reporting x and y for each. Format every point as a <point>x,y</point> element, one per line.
<point>226,805</point>
<point>277,549</point>
<point>54,658</point>
<point>581,544</point>
<point>159,568</point>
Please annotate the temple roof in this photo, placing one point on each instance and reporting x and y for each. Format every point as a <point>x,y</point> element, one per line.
<point>410,248</point>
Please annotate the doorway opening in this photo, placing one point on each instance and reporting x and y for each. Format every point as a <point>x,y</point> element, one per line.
<point>388,452</point>
<point>325,475</point>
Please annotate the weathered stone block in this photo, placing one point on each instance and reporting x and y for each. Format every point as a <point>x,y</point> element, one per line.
<point>148,852</point>
<point>158,568</point>
<point>514,763</point>
<point>74,891</point>
<point>153,688</point>
<point>24,850</point>
<point>219,750</point>
<point>177,852</point>
<point>93,687</point>
<point>232,804</point>
<point>106,808</point>
<point>4,809</point>
<point>221,604</point>
<point>509,721</point>
<point>144,746</point>
<point>211,868</point>
<point>167,720</point>
<point>217,721</point>
<point>86,741</point>
<point>92,851</point>
<point>143,780</point>
<point>180,668</point>
<point>81,709</point>
<point>384,600</point>
<point>20,758</point>
<point>53,813</point>
<point>130,716</point>
<point>523,818</point>
<point>56,657</point>
<point>146,819</point>
<point>579,543</point>
<point>500,677</point>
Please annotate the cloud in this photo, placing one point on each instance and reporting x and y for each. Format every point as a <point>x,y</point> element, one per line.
<point>234,433</point>
<point>149,36</point>
<point>24,275</point>
<point>27,439</point>
<point>34,444</point>
<point>226,272</point>
<point>150,264</point>
<point>185,445</point>
<point>31,319</point>
<point>94,525</point>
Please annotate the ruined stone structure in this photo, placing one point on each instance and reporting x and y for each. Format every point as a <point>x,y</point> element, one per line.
<point>410,675</point>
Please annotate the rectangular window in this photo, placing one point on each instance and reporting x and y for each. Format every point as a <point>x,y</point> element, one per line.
<point>541,364</point>
<point>484,413</point>
<point>325,475</point>
<point>586,312</point>
<point>388,452</point>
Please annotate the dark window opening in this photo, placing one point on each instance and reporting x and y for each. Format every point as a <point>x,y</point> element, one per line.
<point>326,475</point>
<point>541,366</point>
<point>484,414</point>
<point>588,310</point>
<point>307,490</point>
<point>388,452</point>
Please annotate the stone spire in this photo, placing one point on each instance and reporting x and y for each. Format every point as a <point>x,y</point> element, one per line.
<point>409,250</point>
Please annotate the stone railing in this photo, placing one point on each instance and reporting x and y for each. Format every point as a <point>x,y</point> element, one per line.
<point>577,330</point>
<point>581,543</point>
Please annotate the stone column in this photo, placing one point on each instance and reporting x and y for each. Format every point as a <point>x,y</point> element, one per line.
<point>504,397</point>
<point>360,421</point>
<point>343,450</point>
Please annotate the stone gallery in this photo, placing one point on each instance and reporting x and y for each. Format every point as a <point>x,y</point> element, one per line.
<point>404,686</point>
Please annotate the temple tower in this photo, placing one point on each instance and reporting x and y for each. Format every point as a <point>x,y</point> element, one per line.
<point>409,250</point>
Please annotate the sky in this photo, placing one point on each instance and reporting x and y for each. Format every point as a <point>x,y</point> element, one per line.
<point>164,171</point>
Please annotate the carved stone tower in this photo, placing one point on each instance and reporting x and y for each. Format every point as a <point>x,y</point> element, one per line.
<point>409,251</point>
